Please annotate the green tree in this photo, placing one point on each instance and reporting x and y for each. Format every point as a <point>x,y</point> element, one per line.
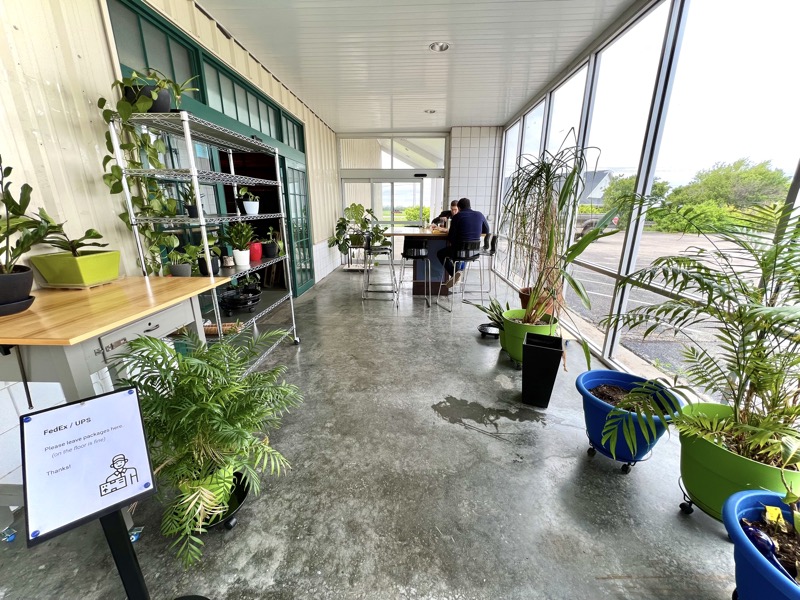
<point>739,184</point>
<point>620,191</point>
<point>706,216</point>
<point>412,214</point>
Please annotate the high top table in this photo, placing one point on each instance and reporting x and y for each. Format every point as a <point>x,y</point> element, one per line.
<point>436,241</point>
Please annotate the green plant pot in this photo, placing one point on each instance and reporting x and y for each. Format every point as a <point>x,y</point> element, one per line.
<point>711,474</point>
<point>91,268</point>
<point>515,332</point>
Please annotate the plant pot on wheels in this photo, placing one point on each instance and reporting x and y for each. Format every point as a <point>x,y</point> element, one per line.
<point>756,577</point>
<point>542,355</point>
<point>596,411</point>
<point>15,290</point>
<point>515,332</point>
<point>711,474</point>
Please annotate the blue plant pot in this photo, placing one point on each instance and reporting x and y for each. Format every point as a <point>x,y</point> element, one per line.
<point>756,578</point>
<point>596,411</point>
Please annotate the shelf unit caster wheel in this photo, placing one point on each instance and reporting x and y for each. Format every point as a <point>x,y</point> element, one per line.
<point>686,508</point>
<point>591,451</point>
<point>626,468</point>
<point>296,341</point>
<point>231,523</point>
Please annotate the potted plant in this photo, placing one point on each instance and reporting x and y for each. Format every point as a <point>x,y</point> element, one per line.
<point>538,210</point>
<point>351,229</point>
<point>16,280</point>
<point>239,235</point>
<point>142,150</point>
<point>75,267</point>
<point>206,418</point>
<point>184,261</point>
<point>746,290</point>
<point>151,92</point>
<point>250,201</point>
<point>269,244</point>
<point>763,527</point>
<point>602,390</point>
<point>243,293</point>
<point>189,200</point>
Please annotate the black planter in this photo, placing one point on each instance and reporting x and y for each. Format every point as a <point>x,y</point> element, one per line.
<point>201,262</point>
<point>238,496</point>
<point>160,104</point>
<point>192,211</point>
<point>541,359</point>
<point>184,270</point>
<point>15,287</point>
<point>270,249</point>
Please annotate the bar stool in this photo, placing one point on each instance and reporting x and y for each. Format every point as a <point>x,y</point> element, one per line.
<point>489,250</point>
<point>370,254</point>
<point>415,249</point>
<point>466,252</point>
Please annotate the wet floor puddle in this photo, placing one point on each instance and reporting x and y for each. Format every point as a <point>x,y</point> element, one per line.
<point>459,412</point>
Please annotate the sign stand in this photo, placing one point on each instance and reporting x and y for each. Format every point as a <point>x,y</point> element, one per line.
<point>84,461</point>
<point>124,555</point>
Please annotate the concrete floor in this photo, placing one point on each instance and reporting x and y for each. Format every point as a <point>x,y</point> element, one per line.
<point>417,473</point>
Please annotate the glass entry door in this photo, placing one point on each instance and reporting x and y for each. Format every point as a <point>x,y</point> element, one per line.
<point>397,203</point>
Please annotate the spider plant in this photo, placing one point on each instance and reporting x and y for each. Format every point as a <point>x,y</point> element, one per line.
<point>206,417</point>
<point>746,289</point>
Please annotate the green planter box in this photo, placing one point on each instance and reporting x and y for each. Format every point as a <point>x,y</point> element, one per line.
<point>61,269</point>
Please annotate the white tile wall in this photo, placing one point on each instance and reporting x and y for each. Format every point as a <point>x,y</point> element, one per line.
<point>325,260</point>
<point>475,167</point>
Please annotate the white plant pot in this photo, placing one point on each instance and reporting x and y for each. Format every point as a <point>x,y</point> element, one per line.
<point>250,207</point>
<point>241,258</point>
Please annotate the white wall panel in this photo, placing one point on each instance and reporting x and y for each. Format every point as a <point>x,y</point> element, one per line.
<point>55,62</point>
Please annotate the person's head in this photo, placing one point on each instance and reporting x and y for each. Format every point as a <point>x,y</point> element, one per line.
<point>463,203</point>
<point>454,207</point>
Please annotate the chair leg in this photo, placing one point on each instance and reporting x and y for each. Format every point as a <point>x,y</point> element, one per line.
<point>427,281</point>
<point>450,293</point>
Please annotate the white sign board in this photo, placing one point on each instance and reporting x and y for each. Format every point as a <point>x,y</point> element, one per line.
<point>83,460</point>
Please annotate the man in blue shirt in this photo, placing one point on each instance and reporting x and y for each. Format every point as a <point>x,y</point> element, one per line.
<point>465,226</point>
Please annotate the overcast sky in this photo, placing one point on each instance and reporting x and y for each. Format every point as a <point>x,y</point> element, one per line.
<point>735,95</point>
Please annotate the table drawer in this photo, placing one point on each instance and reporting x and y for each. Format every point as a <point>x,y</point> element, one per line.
<point>157,325</point>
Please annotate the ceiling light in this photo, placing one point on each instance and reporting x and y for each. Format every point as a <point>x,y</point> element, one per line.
<point>439,46</point>
<point>430,111</point>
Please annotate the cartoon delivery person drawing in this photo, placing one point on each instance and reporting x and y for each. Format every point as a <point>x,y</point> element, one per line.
<point>121,477</point>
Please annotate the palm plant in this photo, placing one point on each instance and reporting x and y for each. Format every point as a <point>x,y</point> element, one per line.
<point>207,417</point>
<point>539,208</point>
<point>746,288</point>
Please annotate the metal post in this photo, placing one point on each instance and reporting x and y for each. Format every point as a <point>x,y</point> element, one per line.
<point>127,193</point>
<point>187,134</point>
<point>124,556</point>
<point>284,233</point>
<point>670,51</point>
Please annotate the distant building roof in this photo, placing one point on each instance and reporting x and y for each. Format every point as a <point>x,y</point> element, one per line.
<point>596,183</point>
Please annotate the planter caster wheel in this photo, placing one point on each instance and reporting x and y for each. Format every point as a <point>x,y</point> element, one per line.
<point>517,365</point>
<point>686,508</point>
<point>626,468</point>
<point>591,451</point>
<point>231,523</point>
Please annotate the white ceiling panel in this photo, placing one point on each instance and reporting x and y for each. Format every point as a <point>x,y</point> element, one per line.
<point>365,66</point>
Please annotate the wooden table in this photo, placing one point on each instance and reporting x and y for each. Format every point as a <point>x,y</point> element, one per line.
<point>436,241</point>
<point>66,335</point>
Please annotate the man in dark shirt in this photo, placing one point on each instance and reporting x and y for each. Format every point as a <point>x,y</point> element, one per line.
<point>446,214</point>
<point>465,226</point>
